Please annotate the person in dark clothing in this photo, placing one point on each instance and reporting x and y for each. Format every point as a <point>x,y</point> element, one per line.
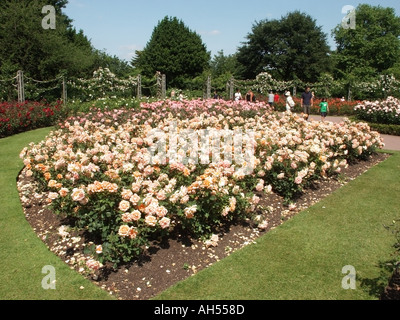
<point>250,97</point>
<point>307,101</point>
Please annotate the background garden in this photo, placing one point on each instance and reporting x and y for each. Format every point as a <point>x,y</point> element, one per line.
<point>65,66</point>
<point>101,107</point>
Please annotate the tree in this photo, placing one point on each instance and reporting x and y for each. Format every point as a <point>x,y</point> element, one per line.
<point>372,47</point>
<point>41,53</point>
<point>293,47</point>
<point>221,64</point>
<point>175,51</point>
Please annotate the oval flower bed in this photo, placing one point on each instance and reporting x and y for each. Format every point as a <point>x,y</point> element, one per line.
<point>99,171</point>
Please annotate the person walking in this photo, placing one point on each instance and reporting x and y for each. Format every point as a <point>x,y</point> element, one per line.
<point>289,102</point>
<point>324,109</point>
<point>271,98</point>
<point>307,102</point>
<point>277,98</point>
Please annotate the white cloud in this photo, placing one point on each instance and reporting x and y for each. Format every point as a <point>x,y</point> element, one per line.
<point>127,52</point>
<point>214,33</point>
<point>210,33</point>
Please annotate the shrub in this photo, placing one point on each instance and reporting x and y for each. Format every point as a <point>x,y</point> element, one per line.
<point>382,112</point>
<point>19,117</point>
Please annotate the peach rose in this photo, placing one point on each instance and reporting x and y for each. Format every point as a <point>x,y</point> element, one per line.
<point>126,217</point>
<point>63,192</point>
<point>124,231</point>
<point>136,215</point>
<point>134,199</point>
<point>151,221</point>
<point>124,205</point>
<point>78,194</point>
<point>126,194</point>
<point>133,233</point>
<point>164,223</point>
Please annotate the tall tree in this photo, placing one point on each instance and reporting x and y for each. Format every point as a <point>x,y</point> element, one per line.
<point>289,48</point>
<point>41,53</point>
<point>372,47</point>
<point>175,51</point>
<point>222,64</point>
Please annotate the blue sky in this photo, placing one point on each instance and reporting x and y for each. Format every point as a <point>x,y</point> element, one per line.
<point>122,26</point>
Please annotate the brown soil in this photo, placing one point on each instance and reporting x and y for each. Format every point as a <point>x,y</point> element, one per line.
<point>392,291</point>
<point>179,257</point>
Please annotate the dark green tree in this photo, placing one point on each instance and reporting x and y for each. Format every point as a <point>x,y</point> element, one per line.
<point>41,53</point>
<point>372,47</point>
<point>293,47</point>
<point>173,50</point>
<point>222,64</point>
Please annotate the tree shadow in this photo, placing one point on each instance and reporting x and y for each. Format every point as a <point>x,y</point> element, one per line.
<point>376,286</point>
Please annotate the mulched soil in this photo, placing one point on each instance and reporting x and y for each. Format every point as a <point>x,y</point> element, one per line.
<point>392,291</point>
<point>166,263</point>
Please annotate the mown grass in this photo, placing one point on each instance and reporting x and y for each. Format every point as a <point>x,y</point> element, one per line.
<point>22,253</point>
<point>303,258</point>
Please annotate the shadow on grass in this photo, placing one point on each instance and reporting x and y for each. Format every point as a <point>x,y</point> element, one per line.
<point>376,286</point>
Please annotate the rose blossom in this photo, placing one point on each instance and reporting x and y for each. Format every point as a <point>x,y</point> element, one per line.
<point>127,217</point>
<point>151,221</point>
<point>126,194</point>
<point>136,215</point>
<point>164,223</point>
<point>132,233</point>
<point>136,187</point>
<point>53,195</point>
<point>78,195</point>
<point>93,264</point>
<point>99,249</point>
<point>134,199</point>
<point>124,205</point>
<point>123,231</point>
<point>63,192</point>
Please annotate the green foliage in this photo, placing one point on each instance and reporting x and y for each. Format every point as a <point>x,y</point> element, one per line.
<point>45,54</point>
<point>42,54</point>
<point>390,129</point>
<point>373,47</point>
<point>293,47</point>
<point>173,50</point>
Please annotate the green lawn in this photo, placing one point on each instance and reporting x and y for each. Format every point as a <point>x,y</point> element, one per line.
<point>22,254</point>
<point>302,259</point>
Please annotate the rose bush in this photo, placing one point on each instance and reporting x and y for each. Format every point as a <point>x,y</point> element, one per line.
<point>19,117</point>
<point>101,170</point>
<point>382,112</point>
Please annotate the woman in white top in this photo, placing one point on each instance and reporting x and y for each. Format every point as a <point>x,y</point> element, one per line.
<point>238,95</point>
<point>289,102</point>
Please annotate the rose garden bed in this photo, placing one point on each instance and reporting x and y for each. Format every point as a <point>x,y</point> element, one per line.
<point>136,224</point>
